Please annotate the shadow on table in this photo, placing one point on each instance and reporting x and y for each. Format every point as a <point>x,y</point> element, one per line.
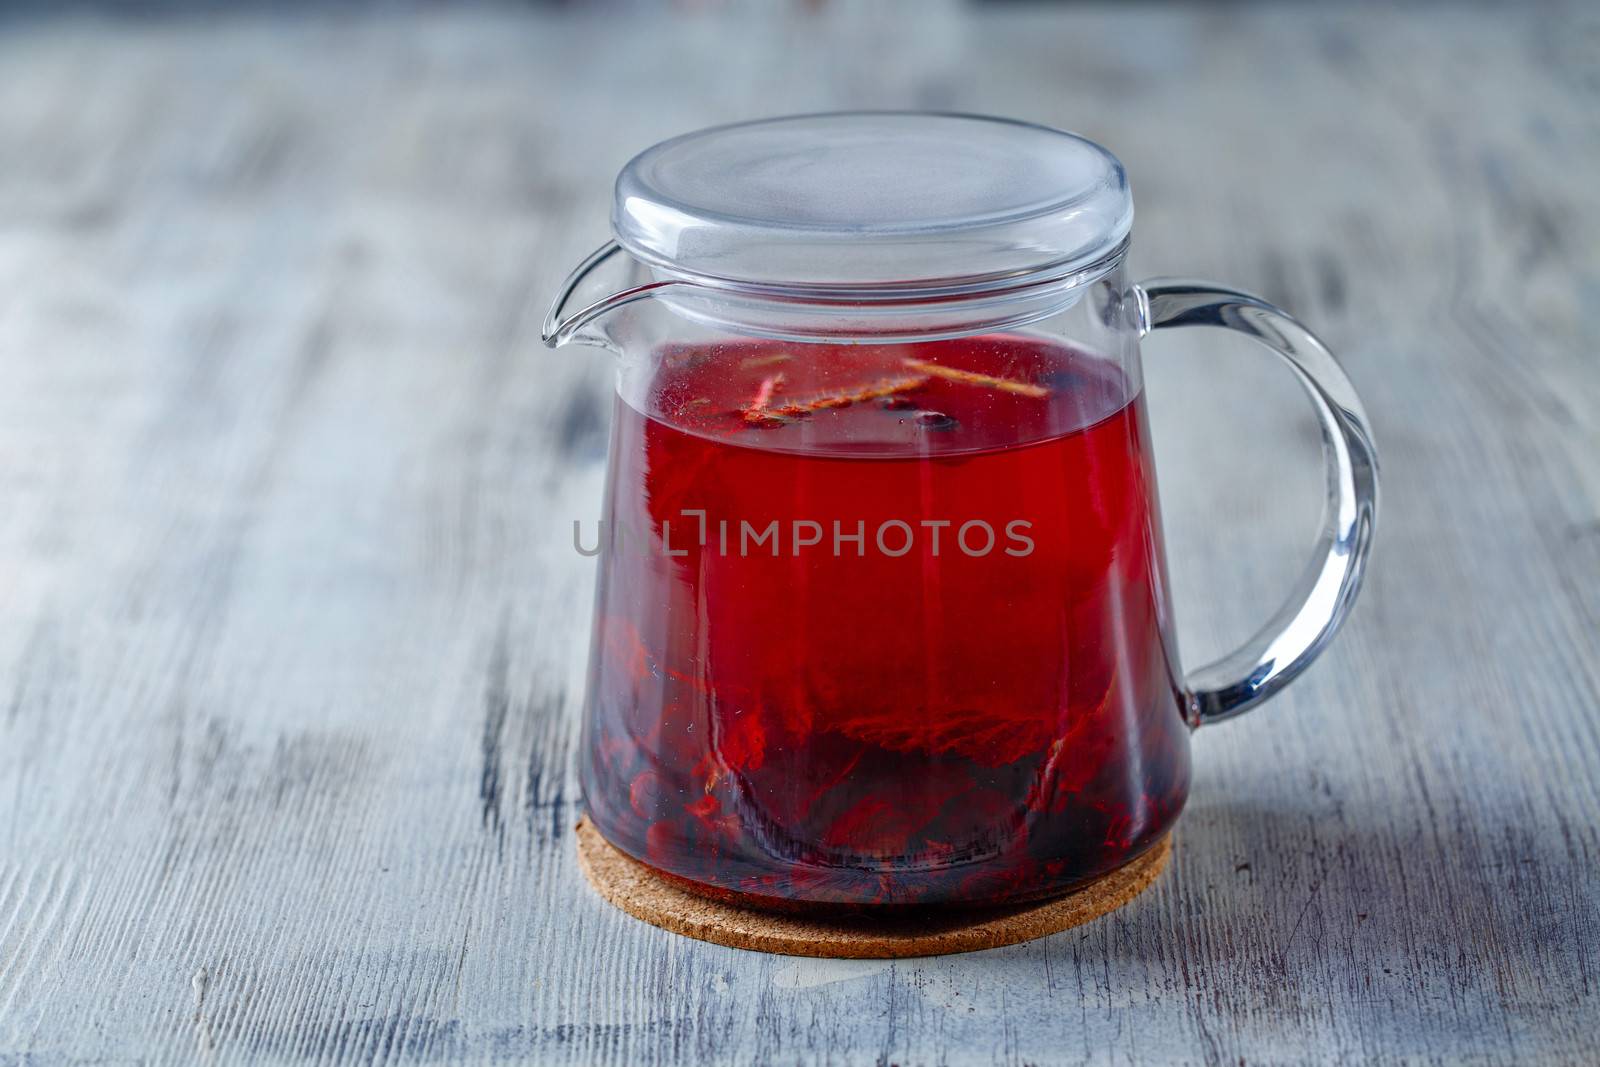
<point>1436,899</point>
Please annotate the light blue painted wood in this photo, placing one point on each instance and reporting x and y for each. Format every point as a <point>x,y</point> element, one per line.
<point>292,634</point>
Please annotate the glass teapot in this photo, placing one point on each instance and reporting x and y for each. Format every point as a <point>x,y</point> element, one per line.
<point>882,615</point>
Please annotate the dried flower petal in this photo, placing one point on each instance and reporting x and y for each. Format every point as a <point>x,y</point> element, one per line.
<point>874,391</point>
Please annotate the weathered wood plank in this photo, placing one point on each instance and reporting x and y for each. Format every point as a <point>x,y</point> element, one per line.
<point>292,635</point>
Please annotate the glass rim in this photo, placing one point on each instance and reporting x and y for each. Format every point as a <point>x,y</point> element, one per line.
<point>1067,271</point>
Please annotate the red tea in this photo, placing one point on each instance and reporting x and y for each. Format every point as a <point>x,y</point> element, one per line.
<point>883,625</point>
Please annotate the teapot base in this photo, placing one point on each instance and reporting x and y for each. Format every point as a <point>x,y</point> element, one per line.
<point>668,903</point>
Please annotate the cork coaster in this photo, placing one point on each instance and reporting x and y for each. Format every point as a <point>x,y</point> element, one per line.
<point>645,895</point>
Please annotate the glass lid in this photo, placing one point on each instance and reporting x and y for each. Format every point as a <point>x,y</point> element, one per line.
<point>869,200</point>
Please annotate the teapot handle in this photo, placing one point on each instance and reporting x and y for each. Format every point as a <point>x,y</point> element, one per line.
<point>557,331</point>
<point>1302,628</point>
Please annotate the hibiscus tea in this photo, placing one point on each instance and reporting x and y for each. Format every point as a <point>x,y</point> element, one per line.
<point>882,625</point>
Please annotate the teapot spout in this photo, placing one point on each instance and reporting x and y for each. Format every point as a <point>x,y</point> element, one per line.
<point>562,328</point>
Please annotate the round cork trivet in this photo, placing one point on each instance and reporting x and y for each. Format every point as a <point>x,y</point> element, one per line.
<point>637,890</point>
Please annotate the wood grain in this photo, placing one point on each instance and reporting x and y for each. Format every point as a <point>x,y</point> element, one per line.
<point>292,633</point>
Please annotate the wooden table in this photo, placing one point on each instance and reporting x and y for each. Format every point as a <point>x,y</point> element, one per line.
<point>292,633</point>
